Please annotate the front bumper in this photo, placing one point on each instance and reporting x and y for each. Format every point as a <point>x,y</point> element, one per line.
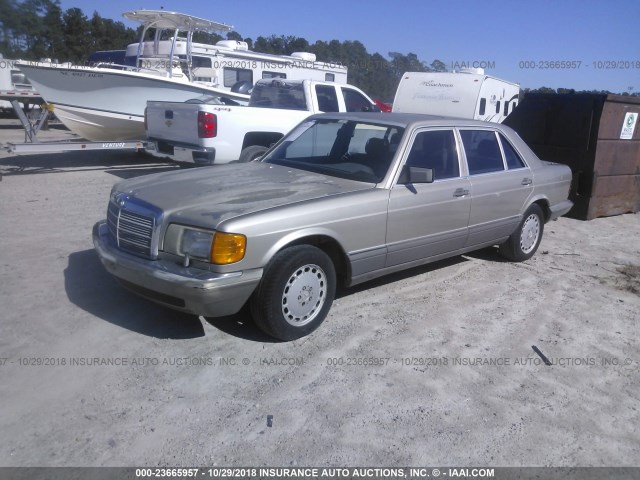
<point>166,282</point>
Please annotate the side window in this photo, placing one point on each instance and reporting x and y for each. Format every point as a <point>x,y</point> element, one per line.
<point>235,75</point>
<point>513,159</point>
<point>327,98</point>
<point>482,150</point>
<point>354,101</point>
<point>498,107</point>
<point>483,106</point>
<point>435,149</point>
<point>506,108</point>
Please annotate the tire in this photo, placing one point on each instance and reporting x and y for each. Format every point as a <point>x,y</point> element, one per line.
<point>251,153</point>
<point>524,242</point>
<point>295,293</point>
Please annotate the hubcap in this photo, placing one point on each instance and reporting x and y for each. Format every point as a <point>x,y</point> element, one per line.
<point>304,294</point>
<point>530,233</point>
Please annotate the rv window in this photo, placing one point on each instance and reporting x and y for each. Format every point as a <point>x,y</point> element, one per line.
<point>482,150</point>
<point>274,75</point>
<point>513,159</point>
<point>497,107</point>
<point>506,108</point>
<point>327,98</point>
<point>483,104</point>
<point>354,102</point>
<point>436,150</point>
<point>329,77</point>
<point>235,75</point>
<point>200,62</point>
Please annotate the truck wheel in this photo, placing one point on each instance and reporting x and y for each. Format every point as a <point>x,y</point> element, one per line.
<point>523,243</point>
<point>251,153</point>
<point>295,293</point>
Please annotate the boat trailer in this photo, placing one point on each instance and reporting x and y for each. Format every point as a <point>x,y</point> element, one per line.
<point>32,128</point>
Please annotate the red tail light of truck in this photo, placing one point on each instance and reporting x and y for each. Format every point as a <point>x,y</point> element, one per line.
<point>207,125</point>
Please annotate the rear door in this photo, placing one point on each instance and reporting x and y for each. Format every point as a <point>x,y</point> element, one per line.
<point>501,184</point>
<point>429,219</point>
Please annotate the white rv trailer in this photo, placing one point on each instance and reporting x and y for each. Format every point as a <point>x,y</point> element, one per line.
<point>464,94</point>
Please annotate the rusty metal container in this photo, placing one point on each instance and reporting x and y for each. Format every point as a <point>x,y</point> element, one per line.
<point>598,136</point>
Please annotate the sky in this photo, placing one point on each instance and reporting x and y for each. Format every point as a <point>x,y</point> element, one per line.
<point>579,44</point>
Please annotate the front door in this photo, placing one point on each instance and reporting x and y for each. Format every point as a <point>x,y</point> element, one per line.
<point>429,219</point>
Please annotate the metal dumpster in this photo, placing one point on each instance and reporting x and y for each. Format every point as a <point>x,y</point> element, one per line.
<point>598,136</point>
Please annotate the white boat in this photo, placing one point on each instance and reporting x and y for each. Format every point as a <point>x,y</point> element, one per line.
<point>107,101</point>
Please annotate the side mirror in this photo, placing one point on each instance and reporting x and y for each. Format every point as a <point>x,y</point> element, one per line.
<point>416,175</point>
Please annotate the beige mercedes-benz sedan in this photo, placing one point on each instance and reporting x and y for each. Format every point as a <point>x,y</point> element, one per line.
<point>341,199</point>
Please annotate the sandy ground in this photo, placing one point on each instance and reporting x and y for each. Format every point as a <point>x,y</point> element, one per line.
<point>433,366</point>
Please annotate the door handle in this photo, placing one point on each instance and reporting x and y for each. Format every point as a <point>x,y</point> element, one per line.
<point>526,181</point>
<point>461,192</point>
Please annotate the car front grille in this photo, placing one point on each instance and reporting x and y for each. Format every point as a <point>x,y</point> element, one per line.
<point>131,227</point>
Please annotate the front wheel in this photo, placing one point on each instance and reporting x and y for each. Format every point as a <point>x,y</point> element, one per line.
<point>295,293</point>
<point>524,242</point>
<point>252,153</point>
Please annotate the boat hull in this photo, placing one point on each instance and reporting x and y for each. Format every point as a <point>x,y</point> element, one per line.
<point>106,104</point>
<point>100,126</point>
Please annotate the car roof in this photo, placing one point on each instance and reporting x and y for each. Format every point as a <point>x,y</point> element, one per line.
<point>410,119</point>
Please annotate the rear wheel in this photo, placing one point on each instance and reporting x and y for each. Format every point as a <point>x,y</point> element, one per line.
<point>252,153</point>
<point>524,242</point>
<point>295,293</point>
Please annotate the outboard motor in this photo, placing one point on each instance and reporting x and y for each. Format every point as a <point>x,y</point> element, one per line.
<point>244,87</point>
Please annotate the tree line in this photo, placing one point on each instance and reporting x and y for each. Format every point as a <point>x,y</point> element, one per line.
<point>37,29</point>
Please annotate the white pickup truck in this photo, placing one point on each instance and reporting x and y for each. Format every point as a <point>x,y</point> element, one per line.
<point>204,132</point>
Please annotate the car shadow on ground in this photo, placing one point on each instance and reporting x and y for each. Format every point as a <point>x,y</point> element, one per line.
<point>241,325</point>
<point>93,289</point>
<point>90,287</point>
<point>489,254</point>
<point>123,164</point>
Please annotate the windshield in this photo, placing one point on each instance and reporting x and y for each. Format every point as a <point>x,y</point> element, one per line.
<point>341,148</point>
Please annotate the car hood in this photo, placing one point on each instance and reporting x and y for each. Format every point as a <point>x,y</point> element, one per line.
<point>207,196</point>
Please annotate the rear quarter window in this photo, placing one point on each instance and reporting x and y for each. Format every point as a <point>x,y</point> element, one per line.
<point>513,159</point>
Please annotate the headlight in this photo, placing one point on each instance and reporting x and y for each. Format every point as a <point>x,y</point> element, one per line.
<point>196,243</point>
<point>220,248</point>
